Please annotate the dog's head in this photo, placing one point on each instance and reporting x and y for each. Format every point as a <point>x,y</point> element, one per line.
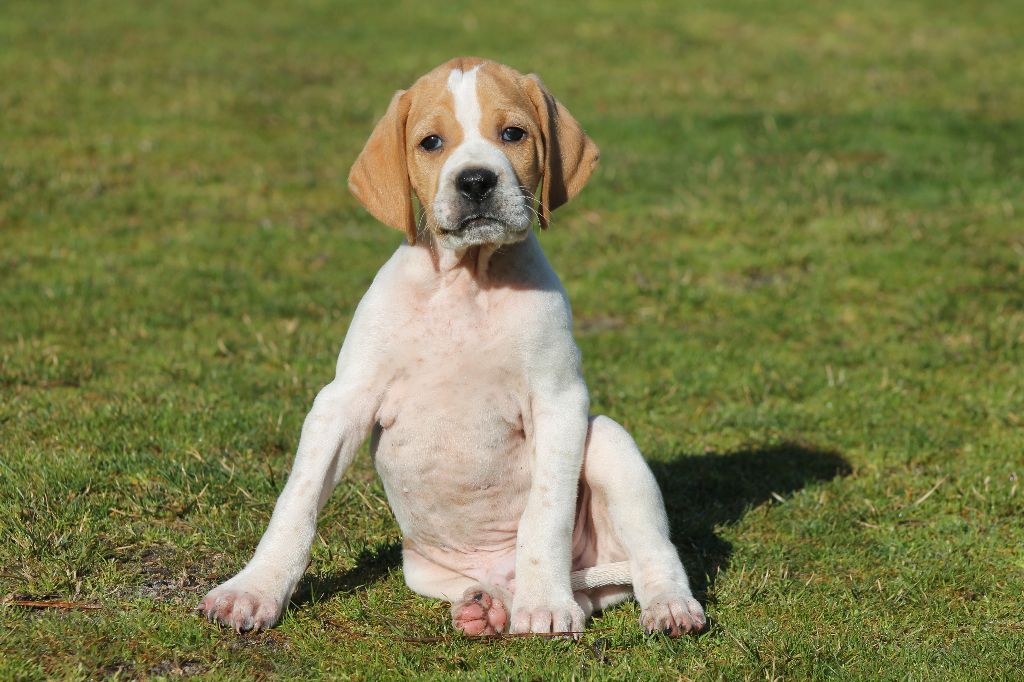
<point>473,140</point>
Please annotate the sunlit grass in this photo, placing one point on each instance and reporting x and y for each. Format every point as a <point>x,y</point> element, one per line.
<point>796,279</point>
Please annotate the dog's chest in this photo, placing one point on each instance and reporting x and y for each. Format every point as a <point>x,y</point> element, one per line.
<point>452,444</point>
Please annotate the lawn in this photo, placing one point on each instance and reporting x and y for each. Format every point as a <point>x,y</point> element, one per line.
<point>797,276</point>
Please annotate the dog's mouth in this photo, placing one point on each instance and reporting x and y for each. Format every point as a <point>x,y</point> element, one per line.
<point>475,221</point>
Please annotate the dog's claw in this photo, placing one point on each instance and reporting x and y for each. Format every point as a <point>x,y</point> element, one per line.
<point>673,615</point>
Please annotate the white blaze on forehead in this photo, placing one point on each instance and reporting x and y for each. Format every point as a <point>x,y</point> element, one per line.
<point>462,85</point>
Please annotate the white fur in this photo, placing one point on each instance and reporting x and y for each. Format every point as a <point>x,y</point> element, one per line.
<point>463,364</point>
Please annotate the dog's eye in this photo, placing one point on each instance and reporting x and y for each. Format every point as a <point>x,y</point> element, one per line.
<point>431,143</point>
<point>513,134</point>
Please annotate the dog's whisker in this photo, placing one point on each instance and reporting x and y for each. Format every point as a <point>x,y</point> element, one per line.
<point>537,212</point>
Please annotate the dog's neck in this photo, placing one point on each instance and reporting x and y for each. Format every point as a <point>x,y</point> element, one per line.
<point>473,261</point>
<point>486,267</point>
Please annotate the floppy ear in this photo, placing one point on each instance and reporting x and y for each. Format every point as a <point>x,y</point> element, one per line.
<point>569,155</point>
<point>380,177</point>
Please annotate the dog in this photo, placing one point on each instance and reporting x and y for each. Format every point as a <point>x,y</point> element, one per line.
<point>515,504</point>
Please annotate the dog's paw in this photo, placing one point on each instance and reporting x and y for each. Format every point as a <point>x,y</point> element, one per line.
<point>673,614</point>
<point>481,611</point>
<point>547,615</point>
<point>242,604</point>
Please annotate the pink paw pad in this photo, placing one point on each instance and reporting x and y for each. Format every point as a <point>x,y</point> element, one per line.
<point>478,613</point>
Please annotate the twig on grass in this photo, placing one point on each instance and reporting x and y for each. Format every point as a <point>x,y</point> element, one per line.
<point>345,630</point>
<point>54,604</point>
<point>491,638</point>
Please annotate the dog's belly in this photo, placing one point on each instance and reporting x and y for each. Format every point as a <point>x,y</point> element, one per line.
<point>454,458</point>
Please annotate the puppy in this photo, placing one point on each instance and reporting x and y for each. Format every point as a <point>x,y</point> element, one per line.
<point>515,504</point>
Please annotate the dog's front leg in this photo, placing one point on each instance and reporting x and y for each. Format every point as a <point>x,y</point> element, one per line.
<point>334,428</point>
<point>543,600</point>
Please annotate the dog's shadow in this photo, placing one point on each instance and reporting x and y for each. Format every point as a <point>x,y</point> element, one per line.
<point>705,492</point>
<point>702,493</point>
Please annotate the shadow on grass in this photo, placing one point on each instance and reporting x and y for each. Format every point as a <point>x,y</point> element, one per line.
<point>702,492</point>
<point>372,565</point>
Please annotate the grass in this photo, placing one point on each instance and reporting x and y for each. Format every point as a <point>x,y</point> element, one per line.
<point>797,278</point>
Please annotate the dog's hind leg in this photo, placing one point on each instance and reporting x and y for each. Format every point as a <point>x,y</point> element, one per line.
<point>479,607</point>
<point>628,514</point>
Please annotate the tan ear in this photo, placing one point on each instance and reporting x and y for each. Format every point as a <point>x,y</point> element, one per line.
<point>380,177</point>
<point>569,155</point>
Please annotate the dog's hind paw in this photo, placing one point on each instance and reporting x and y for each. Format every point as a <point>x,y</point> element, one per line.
<point>481,611</point>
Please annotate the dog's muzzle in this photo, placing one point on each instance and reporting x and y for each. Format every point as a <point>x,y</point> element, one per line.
<point>479,206</point>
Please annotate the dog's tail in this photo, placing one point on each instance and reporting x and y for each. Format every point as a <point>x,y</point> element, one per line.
<point>601,576</point>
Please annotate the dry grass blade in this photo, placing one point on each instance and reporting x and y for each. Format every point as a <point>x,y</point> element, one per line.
<point>930,492</point>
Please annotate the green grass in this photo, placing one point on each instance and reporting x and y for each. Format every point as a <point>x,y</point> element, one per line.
<point>798,278</point>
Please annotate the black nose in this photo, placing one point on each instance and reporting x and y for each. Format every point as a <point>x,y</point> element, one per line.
<point>476,183</point>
